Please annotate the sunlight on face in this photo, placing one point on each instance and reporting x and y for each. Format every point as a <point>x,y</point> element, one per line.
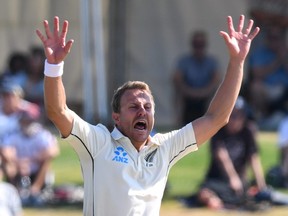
<point>136,117</point>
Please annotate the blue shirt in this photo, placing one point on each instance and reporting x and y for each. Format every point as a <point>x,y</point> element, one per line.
<point>263,57</point>
<point>196,73</point>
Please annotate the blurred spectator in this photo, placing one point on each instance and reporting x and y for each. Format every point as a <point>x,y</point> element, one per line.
<point>196,78</point>
<point>283,148</point>
<point>16,69</point>
<point>10,203</point>
<point>28,155</point>
<point>11,105</point>
<point>33,87</point>
<point>268,83</point>
<point>233,148</point>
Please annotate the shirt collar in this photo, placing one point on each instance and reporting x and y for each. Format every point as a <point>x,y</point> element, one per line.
<point>117,135</point>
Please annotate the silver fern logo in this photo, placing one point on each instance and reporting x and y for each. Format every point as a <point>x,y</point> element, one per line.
<point>149,158</point>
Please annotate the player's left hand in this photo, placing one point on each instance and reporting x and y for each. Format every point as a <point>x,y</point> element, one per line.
<point>239,41</point>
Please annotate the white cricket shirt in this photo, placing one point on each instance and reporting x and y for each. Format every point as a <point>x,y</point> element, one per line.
<point>119,180</point>
<point>10,203</point>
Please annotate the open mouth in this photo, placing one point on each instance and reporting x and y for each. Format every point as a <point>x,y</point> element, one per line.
<point>140,125</point>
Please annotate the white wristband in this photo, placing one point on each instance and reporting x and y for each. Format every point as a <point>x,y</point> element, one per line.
<point>53,70</point>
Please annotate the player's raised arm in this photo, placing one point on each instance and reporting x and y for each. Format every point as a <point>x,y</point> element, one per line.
<point>56,50</point>
<point>238,44</point>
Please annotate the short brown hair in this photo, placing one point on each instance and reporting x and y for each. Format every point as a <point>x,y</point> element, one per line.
<point>127,86</point>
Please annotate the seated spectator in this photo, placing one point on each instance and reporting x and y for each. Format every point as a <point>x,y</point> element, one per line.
<point>11,105</point>
<point>10,203</point>
<point>196,78</point>
<point>33,87</point>
<point>283,148</point>
<point>233,148</point>
<point>28,155</point>
<point>269,77</point>
<point>16,69</point>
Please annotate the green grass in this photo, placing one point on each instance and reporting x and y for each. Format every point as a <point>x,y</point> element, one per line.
<point>67,166</point>
<point>268,149</point>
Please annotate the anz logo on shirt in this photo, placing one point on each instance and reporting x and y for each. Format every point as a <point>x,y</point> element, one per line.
<point>120,155</point>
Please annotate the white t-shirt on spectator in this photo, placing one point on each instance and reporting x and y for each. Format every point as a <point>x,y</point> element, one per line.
<point>283,133</point>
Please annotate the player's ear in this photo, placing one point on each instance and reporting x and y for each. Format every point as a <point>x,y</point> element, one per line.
<point>115,117</point>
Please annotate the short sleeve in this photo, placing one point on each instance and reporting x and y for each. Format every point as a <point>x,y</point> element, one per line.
<point>91,137</point>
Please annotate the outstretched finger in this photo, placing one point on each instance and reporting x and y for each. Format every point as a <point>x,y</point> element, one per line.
<point>47,29</point>
<point>41,36</point>
<point>64,31</point>
<point>56,26</point>
<point>254,33</point>
<point>249,27</point>
<point>230,26</point>
<point>68,46</point>
<point>226,37</point>
<point>241,23</point>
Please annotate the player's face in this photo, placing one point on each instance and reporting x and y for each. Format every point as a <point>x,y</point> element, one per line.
<point>136,117</point>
